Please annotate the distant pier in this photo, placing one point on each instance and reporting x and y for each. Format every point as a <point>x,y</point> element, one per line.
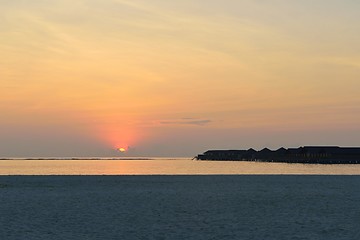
<point>306,154</point>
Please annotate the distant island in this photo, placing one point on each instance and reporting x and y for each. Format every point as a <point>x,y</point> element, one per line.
<point>306,154</point>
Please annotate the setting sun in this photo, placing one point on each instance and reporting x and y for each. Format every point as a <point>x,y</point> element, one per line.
<point>121,149</point>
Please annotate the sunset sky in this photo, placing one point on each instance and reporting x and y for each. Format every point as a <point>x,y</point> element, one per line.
<point>175,78</point>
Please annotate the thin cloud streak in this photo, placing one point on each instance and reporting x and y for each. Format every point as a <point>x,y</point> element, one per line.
<point>187,122</point>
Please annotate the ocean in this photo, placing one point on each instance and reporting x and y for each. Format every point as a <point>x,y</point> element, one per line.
<point>164,166</point>
<point>214,200</point>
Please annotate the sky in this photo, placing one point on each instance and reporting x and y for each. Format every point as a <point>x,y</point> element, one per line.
<point>175,78</point>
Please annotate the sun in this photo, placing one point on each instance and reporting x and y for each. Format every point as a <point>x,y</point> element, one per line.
<point>121,149</point>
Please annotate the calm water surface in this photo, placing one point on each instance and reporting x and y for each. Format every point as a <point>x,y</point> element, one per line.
<point>271,207</point>
<point>175,199</point>
<point>163,166</point>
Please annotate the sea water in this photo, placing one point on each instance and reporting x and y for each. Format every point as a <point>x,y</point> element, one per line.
<point>188,200</point>
<point>165,166</point>
<point>180,207</point>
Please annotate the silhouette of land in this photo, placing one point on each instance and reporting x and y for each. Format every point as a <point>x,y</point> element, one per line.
<point>307,154</point>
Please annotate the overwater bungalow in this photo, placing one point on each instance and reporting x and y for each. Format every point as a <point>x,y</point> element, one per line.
<point>306,154</point>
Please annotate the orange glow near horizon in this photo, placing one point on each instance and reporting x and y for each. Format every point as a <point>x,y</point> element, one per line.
<point>118,135</point>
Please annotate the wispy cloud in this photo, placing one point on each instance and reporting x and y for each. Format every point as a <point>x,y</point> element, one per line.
<point>187,121</point>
